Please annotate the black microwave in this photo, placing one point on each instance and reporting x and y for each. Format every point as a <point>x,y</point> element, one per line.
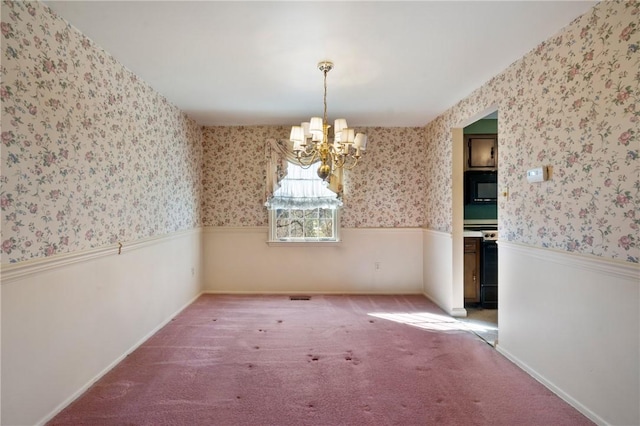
<point>480,187</point>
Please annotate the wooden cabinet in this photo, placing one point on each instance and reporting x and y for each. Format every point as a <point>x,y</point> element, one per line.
<point>482,151</point>
<point>472,270</point>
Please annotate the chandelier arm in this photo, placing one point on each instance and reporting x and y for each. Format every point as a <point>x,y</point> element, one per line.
<point>338,160</point>
<point>355,161</point>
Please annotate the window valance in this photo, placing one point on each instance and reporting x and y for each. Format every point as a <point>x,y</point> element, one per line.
<point>278,154</point>
<point>303,189</point>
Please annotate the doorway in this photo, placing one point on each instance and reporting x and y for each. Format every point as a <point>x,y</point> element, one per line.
<point>475,222</point>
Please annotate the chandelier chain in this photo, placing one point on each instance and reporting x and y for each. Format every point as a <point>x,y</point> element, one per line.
<point>325,71</point>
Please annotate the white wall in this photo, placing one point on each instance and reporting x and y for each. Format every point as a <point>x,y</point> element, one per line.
<point>238,260</point>
<point>439,272</point>
<point>66,320</point>
<point>573,322</point>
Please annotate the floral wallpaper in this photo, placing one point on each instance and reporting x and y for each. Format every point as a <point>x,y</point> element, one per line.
<point>385,190</point>
<point>572,104</point>
<point>388,186</point>
<point>234,174</point>
<point>91,155</point>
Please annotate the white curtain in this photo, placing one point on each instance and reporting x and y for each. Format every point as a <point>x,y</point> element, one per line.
<point>303,189</point>
<point>279,153</point>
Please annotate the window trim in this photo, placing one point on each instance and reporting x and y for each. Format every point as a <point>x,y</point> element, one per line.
<point>303,243</point>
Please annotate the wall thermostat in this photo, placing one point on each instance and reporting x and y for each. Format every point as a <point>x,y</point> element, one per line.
<point>539,174</point>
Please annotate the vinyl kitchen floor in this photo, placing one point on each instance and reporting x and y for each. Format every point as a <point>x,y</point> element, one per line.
<point>484,323</point>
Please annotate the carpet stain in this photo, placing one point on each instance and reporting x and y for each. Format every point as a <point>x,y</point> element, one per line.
<point>115,390</point>
<point>349,357</point>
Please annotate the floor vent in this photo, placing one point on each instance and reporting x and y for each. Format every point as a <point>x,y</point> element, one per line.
<point>300,297</point>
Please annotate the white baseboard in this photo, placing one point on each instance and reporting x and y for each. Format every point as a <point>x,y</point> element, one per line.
<point>552,387</point>
<point>306,292</point>
<point>458,312</point>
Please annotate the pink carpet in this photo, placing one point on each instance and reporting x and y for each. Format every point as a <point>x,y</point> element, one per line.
<point>269,360</point>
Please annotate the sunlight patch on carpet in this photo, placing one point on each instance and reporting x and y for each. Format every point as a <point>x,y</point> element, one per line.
<point>431,321</point>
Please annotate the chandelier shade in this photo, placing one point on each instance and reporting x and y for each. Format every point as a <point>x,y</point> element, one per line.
<point>339,125</point>
<point>311,141</point>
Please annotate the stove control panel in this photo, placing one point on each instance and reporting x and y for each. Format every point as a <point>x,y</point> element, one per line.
<point>489,235</point>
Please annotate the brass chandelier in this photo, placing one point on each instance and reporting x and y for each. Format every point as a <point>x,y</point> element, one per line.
<point>311,141</point>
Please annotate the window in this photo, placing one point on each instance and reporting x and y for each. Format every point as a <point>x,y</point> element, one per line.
<point>303,209</point>
<point>315,224</point>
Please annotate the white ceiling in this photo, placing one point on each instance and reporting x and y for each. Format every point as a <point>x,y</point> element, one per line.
<point>241,63</point>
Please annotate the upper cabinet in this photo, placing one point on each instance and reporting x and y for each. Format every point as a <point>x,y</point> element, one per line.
<point>481,152</point>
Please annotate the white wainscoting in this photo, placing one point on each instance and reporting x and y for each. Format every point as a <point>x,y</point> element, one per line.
<point>68,319</point>
<point>438,272</point>
<point>239,260</point>
<point>573,322</point>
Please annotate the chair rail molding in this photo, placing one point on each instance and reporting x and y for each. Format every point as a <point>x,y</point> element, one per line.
<point>14,271</point>
<point>621,269</point>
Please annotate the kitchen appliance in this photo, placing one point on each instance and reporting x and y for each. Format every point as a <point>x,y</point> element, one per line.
<point>481,187</point>
<point>489,270</point>
<point>487,231</point>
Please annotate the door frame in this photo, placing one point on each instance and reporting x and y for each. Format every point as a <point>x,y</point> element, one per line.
<point>457,209</point>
